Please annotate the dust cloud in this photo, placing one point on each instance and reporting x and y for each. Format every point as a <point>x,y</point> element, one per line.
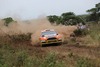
<point>34,27</point>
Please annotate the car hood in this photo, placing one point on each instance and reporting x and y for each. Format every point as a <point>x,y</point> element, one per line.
<point>50,35</point>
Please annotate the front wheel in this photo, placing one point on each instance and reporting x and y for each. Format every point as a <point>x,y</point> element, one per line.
<point>59,43</point>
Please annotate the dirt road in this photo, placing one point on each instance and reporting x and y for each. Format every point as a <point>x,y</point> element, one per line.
<point>64,50</point>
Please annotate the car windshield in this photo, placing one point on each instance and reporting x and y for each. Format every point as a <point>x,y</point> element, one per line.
<point>48,32</point>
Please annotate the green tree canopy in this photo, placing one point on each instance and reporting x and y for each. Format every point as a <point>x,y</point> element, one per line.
<point>68,18</point>
<point>8,20</point>
<point>94,13</point>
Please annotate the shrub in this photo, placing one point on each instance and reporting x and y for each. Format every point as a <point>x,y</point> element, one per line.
<point>80,32</point>
<point>84,62</point>
<point>1,59</point>
<point>70,54</point>
<point>52,61</point>
<point>32,62</point>
<point>21,58</point>
<point>49,61</point>
<point>21,37</point>
<point>8,20</point>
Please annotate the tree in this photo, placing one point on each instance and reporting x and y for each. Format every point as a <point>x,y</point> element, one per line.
<point>8,20</point>
<point>94,13</point>
<point>84,17</point>
<point>54,19</point>
<point>98,7</point>
<point>71,19</point>
<point>68,18</point>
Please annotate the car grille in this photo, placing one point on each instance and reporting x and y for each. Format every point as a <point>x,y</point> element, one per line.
<point>53,38</point>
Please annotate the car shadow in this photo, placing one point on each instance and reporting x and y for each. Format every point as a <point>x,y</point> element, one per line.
<point>49,45</point>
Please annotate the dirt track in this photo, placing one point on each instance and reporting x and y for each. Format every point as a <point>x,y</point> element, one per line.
<point>64,49</point>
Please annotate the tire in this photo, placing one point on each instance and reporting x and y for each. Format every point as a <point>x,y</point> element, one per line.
<point>59,43</point>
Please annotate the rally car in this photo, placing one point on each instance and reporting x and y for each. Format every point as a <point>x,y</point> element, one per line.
<point>50,37</point>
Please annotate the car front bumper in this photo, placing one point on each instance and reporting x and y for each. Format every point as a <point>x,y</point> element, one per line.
<point>51,42</point>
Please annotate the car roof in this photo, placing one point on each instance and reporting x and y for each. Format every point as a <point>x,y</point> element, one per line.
<point>47,30</point>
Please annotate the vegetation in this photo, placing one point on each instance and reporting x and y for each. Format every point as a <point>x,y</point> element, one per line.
<point>18,52</point>
<point>68,18</point>
<point>10,57</point>
<point>94,13</point>
<point>8,20</point>
<point>21,37</point>
<point>80,32</point>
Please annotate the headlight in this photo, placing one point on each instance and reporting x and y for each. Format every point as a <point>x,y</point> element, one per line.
<point>59,38</point>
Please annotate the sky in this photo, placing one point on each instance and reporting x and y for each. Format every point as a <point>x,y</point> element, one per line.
<point>30,9</point>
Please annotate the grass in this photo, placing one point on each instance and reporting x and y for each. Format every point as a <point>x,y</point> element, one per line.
<point>91,37</point>
<point>10,57</point>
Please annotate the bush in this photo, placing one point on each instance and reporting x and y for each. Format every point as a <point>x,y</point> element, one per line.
<point>52,61</point>
<point>84,62</point>
<point>80,32</point>
<point>70,54</point>
<point>8,20</point>
<point>49,61</point>
<point>1,59</point>
<point>21,37</point>
<point>21,57</point>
